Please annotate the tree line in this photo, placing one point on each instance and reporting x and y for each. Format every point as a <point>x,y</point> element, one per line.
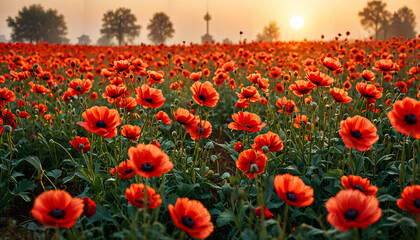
<point>35,24</point>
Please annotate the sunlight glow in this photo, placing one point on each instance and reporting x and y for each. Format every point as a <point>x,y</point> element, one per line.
<point>296,22</point>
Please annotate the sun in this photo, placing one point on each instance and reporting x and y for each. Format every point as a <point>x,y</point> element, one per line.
<point>296,22</point>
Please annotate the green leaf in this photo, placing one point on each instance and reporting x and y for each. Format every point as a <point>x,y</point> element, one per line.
<point>224,219</point>
<point>56,173</point>
<point>34,161</point>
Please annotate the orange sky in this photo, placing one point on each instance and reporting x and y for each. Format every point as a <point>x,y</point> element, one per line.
<point>327,17</point>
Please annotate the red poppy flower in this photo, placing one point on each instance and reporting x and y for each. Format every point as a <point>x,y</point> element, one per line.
<point>196,76</point>
<point>154,78</point>
<point>81,144</point>
<point>204,94</point>
<point>191,217</point>
<point>93,96</point>
<point>340,95</point>
<point>301,87</point>
<point>149,161</point>
<point>184,117</point>
<point>251,163</point>
<point>124,170</point>
<point>249,93</point>
<point>149,97</point>
<point>113,92</point>
<point>279,88</point>
<point>57,208</point>
<point>358,132</point>
<point>24,114</point>
<point>352,209</point>
<point>270,140</point>
<point>6,96</point>
<point>384,65</point>
<point>102,121</point>
<point>246,121</point>
<point>78,86</point>
<point>131,132</point>
<point>202,130</point>
<point>238,146</point>
<point>359,183</point>
<point>287,105</point>
<point>368,75</point>
<point>267,213</point>
<point>135,196</point>
<point>410,199</point>
<point>319,79</point>
<point>368,91</point>
<point>405,117</point>
<point>128,103</point>
<point>331,64</point>
<point>293,191</point>
<point>162,116</point>
<point>121,65</point>
<point>347,85</point>
<point>36,88</point>
<point>89,208</point>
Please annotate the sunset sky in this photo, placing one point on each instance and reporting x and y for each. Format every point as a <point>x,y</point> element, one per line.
<point>229,17</point>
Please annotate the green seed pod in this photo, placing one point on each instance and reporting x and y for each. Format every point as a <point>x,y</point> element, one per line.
<point>7,128</point>
<point>265,149</point>
<point>174,134</point>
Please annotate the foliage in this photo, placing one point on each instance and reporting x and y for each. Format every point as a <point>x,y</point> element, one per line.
<point>160,28</point>
<point>270,33</point>
<point>121,24</point>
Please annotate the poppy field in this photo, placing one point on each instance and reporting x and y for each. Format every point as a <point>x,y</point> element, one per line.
<point>283,140</point>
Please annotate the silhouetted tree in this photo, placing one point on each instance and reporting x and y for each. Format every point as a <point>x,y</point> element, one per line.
<point>104,41</point>
<point>34,24</point>
<point>374,16</point>
<point>406,25</point>
<point>160,28</point>
<point>270,33</point>
<point>120,24</point>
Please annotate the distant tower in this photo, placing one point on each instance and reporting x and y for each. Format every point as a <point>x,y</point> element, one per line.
<point>207,37</point>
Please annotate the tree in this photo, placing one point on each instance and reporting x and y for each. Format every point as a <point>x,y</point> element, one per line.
<point>84,40</point>
<point>161,28</point>
<point>104,41</point>
<point>374,16</point>
<point>34,24</point>
<point>120,24</point>
<point>270,33</point>
<point>408,23</point>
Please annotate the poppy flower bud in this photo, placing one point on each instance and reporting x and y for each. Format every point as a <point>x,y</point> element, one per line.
<point>176,101</point>
<point>241,193</point>
<point>81,76</point>
<point>295,73</point>
<point>62,121</point>
<point>51,141</point>
<point>254,168</point>
<point>325,99</point>
<point>375,121</point>
<point>141,111</point>
<point>327,106</point>
<point>226,189</point>
<point>172,106</point>
<point>139,78</point>
<point>209,145</point>
<point>169,55</point>
<point>17,112</point>
<point>174,134</point>
<point>314,105</point>
<point>210,173</point>
<point>178,142</point>
<point>7,128</point>
<point>345,115</point>
<point>131,76</point>
<point>191,102</point>
<point>265,149</point>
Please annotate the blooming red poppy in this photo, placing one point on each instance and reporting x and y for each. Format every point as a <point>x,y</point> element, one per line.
<point>270,140</point>
<point>149,97</point>
<point>279,88</point>
<point>359,183</point>
<point>149,161</point>
<point>384,65</point>
<point>293,191</point>
<point>24,114</point>
<point>191,217</point>
<point>162,116</point>
<point>204,94</point>
<point>37,88</point>
<point>57,208</point>
<point>251,163</point>
<point>238,146</point>
<point>288,106</point>
<point>124,170</point>
<point>202,130</point>
<point>81,144</point>
<point>368,75</point>
<point>410,200</point>
<point>331,64</point>
<point>195,76</point>
<point>135,196</point>
<point>78,86</point>
<point>246,121</point>
<point>405,117</point>
<point>340,95</point>
<point>89,208</point>
<point>267,213</point>
<point>93,96</point>
<point>154,78</point>
<point>184,117</point>
<point>6,96</point>
<point>352,209</point>
<point>113,92</point>
<point>128,103</point>
<point>131,132</point>
<point>102,121</point>
<point>249,94</point>
<point>319,79</point>
<point>121,65</point>
<point>358,132</point>
<point>301,87</point>
<point>368,91</point>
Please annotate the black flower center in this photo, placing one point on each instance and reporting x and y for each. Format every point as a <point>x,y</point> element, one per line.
<point>128,171</point>
<point>57,213</point>
<point>351,214</point>
<point>202,97</point>
<point>417,203</point>
<point>101,124</point>
<point>85,208</point>
<point>147,167</point>
<point>149,100</point>
<point>188,221</point>
<point>356,134</point>
<point>291,196</point>
<point>410,119</point>
<point>358,187</point>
